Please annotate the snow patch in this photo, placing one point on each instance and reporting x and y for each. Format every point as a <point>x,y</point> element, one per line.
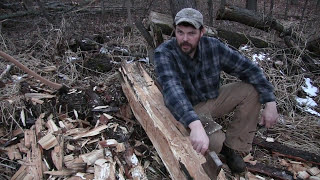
<point>309,89</point>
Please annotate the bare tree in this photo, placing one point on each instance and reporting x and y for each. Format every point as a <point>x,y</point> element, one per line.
<point>252,5</point>
<point>222,3</point>
<point>210,11</point>
<point>271,8</point>
<point>294,2</point>
<point>304,9</point>
<point>177,5</point>
<point>286,10</point>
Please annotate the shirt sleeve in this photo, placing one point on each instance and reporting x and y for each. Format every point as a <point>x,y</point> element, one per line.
<point>238,65</point>
<point>173,93</point>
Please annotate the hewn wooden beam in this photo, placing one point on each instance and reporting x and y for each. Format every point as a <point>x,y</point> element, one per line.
<point>147,104</point>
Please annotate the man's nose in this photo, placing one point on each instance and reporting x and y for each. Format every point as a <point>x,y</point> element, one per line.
<point>185,37</point>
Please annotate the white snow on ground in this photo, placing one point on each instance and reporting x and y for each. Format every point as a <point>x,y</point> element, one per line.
<point>244,48</point>
<point>309,89</point>
<point>308,103</point>
<point>260,57</point>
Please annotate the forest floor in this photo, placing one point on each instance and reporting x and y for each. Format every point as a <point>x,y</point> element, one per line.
<point>83,48</point>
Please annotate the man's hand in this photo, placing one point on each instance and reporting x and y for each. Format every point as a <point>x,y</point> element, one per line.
<point>198,137</point>
<point>269,115</point>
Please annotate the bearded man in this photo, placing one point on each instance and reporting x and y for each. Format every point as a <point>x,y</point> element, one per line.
<point>188,70</point>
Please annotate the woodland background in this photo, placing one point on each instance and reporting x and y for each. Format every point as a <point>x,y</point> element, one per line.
<point>82,43</point>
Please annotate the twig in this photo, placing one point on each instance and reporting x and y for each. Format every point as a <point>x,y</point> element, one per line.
<point>5,72</point>
<point>7,166</point>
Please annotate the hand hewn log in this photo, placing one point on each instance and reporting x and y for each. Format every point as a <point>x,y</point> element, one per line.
<point>147,104</point>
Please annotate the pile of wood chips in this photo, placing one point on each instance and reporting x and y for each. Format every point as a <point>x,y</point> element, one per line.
<point>48,151</point>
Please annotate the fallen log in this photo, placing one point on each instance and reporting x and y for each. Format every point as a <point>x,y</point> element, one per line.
<point>314,45</point>
<point>163,24</point>
<point>307,61</point>
<point>253,19</point>
<point>270,171</point>
<point>282,150</point>
<point>166,134</point>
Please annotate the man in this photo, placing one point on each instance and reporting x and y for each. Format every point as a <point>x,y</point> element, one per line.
<point>188,70</point>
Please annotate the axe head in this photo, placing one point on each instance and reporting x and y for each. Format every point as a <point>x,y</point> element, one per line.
<point>213,165</point>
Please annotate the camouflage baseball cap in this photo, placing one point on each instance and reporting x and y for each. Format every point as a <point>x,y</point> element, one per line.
<point>191,16</point>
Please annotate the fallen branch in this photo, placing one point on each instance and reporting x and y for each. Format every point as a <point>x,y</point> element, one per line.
<point>5,72</point>
<point>270,171</point>
<point>282,150</point>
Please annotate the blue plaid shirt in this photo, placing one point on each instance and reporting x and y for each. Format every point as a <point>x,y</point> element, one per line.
<point>185,81</point>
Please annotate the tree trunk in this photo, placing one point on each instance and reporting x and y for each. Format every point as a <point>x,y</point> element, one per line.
<point>223,3</point>
<point>249,18</point>
<point>177,5</point>
<point>252,5</point>
<point>128,6</point>
<point>271,8</point>
<point>294,2</point>
<point>304,9</point>
<point>286,10</point>
<point>314,46</point>
<point>210,10</point>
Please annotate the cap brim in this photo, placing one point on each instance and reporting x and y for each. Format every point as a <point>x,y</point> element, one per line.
<point>195,24</point>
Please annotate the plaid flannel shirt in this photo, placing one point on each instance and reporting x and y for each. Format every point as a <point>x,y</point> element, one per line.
<point>185,81</point>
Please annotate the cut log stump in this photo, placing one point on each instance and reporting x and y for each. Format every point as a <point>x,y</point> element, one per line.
<point>167,135</point>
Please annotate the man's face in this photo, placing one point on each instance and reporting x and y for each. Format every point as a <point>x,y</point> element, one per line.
<point>188,38</point>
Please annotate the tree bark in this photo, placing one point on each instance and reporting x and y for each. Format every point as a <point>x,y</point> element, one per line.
<point>223,3</point>
<point>294,2</point>
<point>314,46</point>
<point>210,10</point>
<point>252,5</point>
<point>271,8</point>
<point>286,10</point>
<point>304,9</point>
<point>177,5</point>
<point>249,18</point>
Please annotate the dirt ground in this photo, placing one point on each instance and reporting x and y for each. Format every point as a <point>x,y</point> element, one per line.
<point>83,48</point>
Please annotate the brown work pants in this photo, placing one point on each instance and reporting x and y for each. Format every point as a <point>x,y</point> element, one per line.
<point>244,100</point>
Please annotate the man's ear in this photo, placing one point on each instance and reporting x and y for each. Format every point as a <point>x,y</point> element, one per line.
<point>203,31</point>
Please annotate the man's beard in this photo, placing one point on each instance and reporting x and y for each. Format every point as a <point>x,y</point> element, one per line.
<point>191,48</point>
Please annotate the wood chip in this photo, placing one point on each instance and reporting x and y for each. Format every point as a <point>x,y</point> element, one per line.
<point>39,96</point>
<point>313,171</point>
<point>52,127</point>
<point>13,152</point>
<point>303,175</point>
<point>48,141</point>
<point>59,173</point>
<point>249,159</point>
<point>113,143</point>
<point>91,157</point>
<point>92,132</point>
<point>57,156</point>
<point>104,169</point>
<point>314,178</point>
